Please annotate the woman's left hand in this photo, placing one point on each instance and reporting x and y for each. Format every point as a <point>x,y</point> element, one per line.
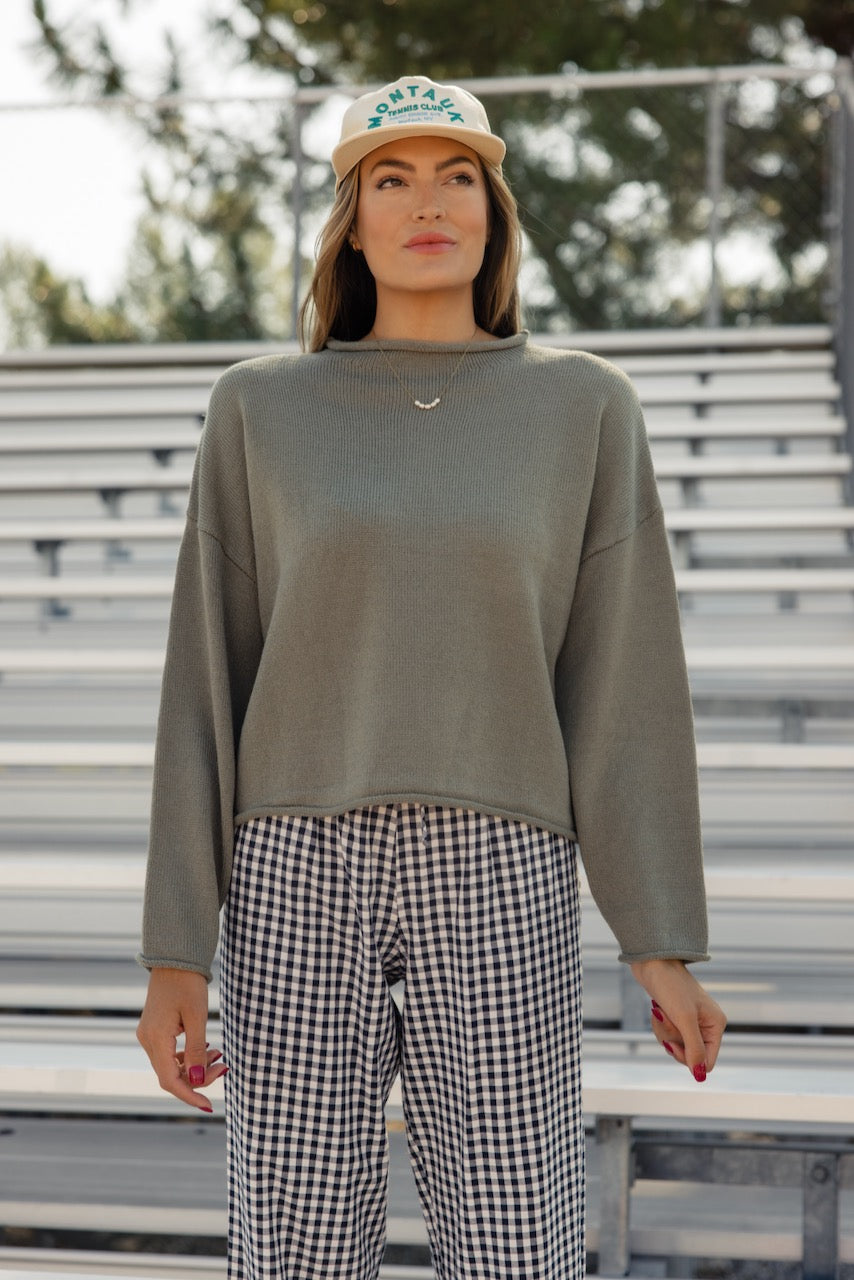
<point>684,1017</point>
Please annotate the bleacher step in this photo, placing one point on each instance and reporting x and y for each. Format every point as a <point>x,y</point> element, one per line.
<point>52,1264</point>
<point>16,1265</point>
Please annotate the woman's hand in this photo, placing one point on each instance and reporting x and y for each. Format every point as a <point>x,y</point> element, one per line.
<point>685,1018</point>
<point>177,1002</point>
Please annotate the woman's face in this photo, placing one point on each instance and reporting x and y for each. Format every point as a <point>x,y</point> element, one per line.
<point>422,217</point>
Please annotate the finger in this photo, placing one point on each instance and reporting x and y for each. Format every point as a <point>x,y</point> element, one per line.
<point>195,1054</point>
<point>215,1069</point>
<point>674,1051</point>
<point>172,1077</point>
<point>688,1048</point>
<point>694,1050</point>
<point>674,1047</point>
<point>664,1029</point>
<point>713,1025</point>
<point>212,1056</point>
<point>712,1047</point>
<point>212,1074</point>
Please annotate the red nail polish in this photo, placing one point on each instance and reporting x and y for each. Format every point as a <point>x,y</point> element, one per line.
<point>700,1072</point>
<point>196,1076</point>
<point>668,1047</point>
<point>656,1013</point>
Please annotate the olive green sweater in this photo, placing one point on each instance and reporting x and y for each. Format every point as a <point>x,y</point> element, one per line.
<point>472,607</point>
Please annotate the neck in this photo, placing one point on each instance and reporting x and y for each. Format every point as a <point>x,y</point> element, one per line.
<point>425,317</point>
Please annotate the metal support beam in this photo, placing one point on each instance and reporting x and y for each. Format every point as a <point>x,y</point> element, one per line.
<point>842,244</point>
<point>821,1216</point>
<point>634,1002</point>
<point>297,203</point>
<point>48,550</point>
<point>818,1168</point>
<point>614,1139</point>
<point>714,191</point>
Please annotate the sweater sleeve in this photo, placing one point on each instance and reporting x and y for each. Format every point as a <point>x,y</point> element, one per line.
<point>212,655</point>
<point>625,708</point>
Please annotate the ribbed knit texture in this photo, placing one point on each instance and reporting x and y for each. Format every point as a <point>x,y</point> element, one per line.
<point>472,606</point>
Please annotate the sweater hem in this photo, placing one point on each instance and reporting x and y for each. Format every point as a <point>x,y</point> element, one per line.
<point>304,809</point>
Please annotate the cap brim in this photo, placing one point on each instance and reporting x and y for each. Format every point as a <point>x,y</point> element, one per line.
<point>349,153</point>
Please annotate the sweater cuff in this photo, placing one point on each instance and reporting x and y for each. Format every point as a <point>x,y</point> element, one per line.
<point>689,957</point>
<point>157,962</point>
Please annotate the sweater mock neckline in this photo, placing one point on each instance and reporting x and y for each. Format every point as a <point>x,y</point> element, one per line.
<point>416,344</point>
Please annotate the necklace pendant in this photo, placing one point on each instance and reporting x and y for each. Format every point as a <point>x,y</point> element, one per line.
<point>419,404</point>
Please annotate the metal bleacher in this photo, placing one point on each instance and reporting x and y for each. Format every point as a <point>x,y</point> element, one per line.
<point>754,465</point>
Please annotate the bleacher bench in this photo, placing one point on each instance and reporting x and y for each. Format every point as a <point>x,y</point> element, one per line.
<point>789,661</point>
<point>747,466</point>
<point>710,755</point>
<point>783,954</point>
<point>633,1096</point>
<point>142,586</point>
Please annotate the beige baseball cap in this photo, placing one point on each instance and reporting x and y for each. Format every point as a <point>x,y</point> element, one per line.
<point>410,107</point>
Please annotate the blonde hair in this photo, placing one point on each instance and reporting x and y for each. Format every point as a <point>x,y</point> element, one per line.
<point>342,298</point>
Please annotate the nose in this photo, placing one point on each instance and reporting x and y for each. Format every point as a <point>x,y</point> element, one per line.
<point>428,207</point>
<point>429,213</point>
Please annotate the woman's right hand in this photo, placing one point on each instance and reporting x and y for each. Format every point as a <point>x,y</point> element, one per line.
<point>177,1003</point>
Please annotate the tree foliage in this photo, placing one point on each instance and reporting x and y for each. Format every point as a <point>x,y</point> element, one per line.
<point>612,184</point>
<point>366,40</point>
<point>40,308</point>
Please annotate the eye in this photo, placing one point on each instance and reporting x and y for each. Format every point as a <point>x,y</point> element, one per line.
<point>390,180</point>
<point>463,179</point>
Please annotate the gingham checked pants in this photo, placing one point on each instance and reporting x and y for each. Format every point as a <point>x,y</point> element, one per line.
<point>479,916</point>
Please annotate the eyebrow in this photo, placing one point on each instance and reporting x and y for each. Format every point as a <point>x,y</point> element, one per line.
<point>410,168</point>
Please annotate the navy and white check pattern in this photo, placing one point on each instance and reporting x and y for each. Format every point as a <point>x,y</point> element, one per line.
<point>479,915</point>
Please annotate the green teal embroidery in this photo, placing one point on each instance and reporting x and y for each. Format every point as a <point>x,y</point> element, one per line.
<point>424,108</point>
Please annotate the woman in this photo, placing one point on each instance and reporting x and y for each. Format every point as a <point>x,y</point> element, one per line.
<point>425,645</point>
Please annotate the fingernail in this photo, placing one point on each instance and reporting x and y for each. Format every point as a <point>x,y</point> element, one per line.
<point>222,1073</point>
<point>700,1072</point>
<point>207,1110</point>
<point>196,1076</point>
<point>216,1057</point>
<point>668,1047</point>
<point>656,1013</point>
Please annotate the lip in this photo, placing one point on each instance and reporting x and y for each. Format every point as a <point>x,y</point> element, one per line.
<point>430,242</point>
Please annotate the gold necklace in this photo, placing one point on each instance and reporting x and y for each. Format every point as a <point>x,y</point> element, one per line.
<point>420,404</point>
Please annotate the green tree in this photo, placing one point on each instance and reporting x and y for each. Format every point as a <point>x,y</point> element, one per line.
<point>366,40</point>
<point>611,183</point>
<point>40,308</point>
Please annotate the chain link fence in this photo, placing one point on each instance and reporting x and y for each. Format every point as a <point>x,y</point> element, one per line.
<point>649,200</point>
